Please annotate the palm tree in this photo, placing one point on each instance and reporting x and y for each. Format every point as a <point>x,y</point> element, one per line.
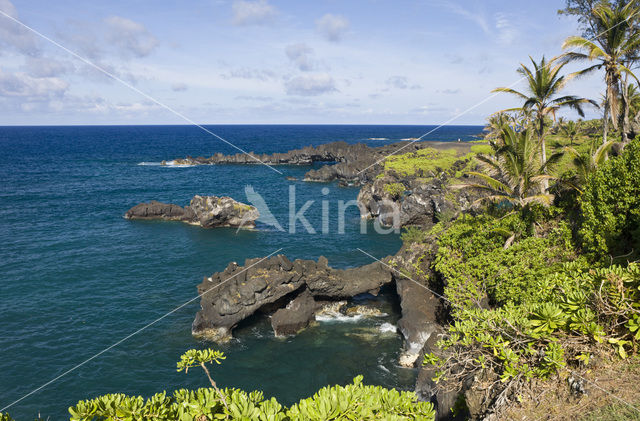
<point>496,123</point>
<point>614,47</point>
<point>514,174</point>
<point>633,99</point>
<point>544,83</point>
<point>587,162</point>
<point>571,130</point>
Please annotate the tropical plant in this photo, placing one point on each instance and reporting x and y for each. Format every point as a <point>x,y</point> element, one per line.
<point>354,401</point>
<point>614,47</point>
<point>496,123</point>
<point>610,207</point>
<point>514,173</point>
<point>587,162</point>
<point>544,83</point>
<point>571,130</point>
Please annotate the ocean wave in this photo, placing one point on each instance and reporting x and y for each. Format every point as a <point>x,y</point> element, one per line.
<point>339,318</point>
<point>383,368</point>
<point>168,164</point>
<point>378,138</point>
<point>410,138</point>
<point>387,328</point>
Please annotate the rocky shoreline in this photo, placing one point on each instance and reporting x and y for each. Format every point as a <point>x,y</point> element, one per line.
<point>350,163</point>
<point>293,293</point>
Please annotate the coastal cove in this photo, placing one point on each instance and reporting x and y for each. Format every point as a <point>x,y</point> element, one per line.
<point>78,277</point>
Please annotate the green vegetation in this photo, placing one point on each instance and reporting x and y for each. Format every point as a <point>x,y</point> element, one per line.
<point>611,208</point>
<point>423,163</point>
<point>395,190</point>
<point>352,402</point>
<point>513,174</point>
<point>546,277</point>
<point>614,49</point>
<point>544,83</point>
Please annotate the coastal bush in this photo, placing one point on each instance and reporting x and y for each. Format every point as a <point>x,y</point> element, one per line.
<point>500,259</point>
<point>580,307</point>
<point>413,234</point>
<point>352,402</point>
<point>395,190</point>
<point>610,207</point>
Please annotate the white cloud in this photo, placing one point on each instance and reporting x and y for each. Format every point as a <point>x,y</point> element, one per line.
<point>475,16</point>
<point>13,34</point>
<point>246,73</point>
<point>301,54</point>
<point>248,12</point>
<point>332,27</point>
<point>310,85</point>
<point>33,88</point>
<point>507,32</point>
<point>131,37</point>
<point>179,87</point>
<point>401,82</point>
<point>47,67</point>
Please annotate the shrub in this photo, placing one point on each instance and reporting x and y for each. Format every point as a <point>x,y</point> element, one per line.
<point>395,190</point>
<point>610,207</point>
<point>413,234</point>
<point>498,258</point>
<point>354,402</point>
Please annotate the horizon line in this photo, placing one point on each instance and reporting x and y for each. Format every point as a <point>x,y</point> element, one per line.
<point>235,124</point>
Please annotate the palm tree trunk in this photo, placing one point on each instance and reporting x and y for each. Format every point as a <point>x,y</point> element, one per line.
<point>543,150</point>
<point>605,118</point>
<point>624,115</point>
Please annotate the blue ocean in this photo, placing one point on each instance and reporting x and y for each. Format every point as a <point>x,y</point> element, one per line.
<point>77,278</point>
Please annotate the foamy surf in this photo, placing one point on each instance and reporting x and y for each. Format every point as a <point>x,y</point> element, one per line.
<point>338,318</point>
<point>168,164</point>
<point>387,328</point>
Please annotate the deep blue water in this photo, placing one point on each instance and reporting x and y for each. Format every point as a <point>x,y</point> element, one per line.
<point>77,277</point>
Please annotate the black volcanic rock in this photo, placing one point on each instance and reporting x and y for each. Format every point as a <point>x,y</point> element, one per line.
<point>296,315</point>
<point>355,163</point>
<point>205,211</point>
<point>231,296</point>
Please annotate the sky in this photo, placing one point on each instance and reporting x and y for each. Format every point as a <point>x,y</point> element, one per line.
<point>272,61</point>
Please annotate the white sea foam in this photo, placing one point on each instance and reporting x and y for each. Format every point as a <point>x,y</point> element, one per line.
<point>168,164</point>
<point>378,138</point>
<point>410,138</point>
<point>387,328</point>
<point>383,368</point>
<point>339,318</point>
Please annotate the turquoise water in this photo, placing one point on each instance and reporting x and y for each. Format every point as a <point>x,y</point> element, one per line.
<point>77,277</point>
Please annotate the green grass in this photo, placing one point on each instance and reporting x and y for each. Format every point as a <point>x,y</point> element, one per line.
<point>424,162</point>
<point>615,412</point>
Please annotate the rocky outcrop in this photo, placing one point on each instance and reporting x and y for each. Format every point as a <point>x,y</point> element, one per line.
<point>205,211</point>
<point>296,315</point>
<point>352,163</point>
<point>420,303</point>
<point>401,201</point>
<point>238,292</point>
